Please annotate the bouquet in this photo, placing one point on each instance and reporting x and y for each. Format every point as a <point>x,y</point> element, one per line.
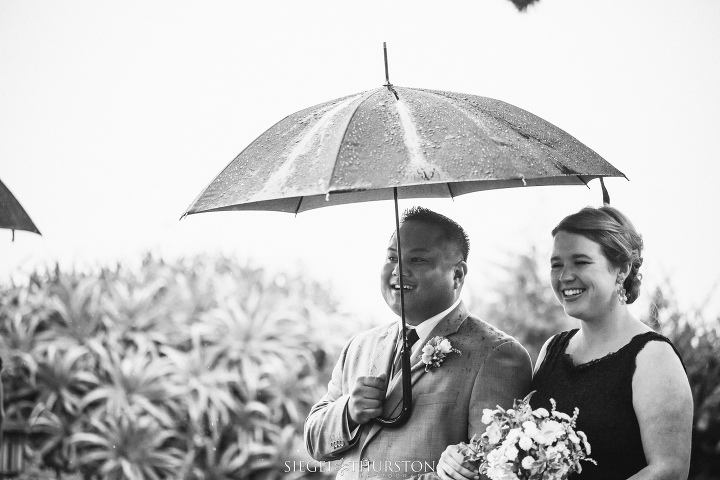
<point>526,444</point>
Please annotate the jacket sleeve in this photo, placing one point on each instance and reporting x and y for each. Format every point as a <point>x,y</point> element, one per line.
<point>327,433</point>
<point>505,375</point>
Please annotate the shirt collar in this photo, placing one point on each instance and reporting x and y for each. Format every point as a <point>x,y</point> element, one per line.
<point>424,329</point>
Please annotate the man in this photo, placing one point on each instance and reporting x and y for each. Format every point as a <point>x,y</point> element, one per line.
<point>488,369</point>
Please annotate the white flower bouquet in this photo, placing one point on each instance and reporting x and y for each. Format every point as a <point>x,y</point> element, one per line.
<point>526,444</point>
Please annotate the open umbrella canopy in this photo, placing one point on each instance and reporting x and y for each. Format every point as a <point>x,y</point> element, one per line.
<point>395,142</point>
<point>427,143</point>
<point>12,214</point>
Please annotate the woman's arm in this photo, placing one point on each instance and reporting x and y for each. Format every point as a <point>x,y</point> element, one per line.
<point>664,408</point>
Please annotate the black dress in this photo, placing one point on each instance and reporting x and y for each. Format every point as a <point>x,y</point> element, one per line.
<point>602,390</point>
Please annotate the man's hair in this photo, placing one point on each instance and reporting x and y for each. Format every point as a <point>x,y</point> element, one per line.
<point>451,231</point>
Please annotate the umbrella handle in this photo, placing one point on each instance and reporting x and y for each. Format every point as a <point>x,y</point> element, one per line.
<point>404,414</point>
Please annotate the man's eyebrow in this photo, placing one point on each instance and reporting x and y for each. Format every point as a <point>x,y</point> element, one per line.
<point>416,249</point>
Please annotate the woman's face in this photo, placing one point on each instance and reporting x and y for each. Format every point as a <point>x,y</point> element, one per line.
<point>583,279</point>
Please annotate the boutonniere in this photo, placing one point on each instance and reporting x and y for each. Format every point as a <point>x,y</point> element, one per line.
<point>435,351</point>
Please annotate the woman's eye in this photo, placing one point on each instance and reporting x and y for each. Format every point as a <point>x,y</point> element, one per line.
<point>555,265</point>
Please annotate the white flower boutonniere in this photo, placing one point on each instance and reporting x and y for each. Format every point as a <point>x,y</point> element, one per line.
<point>435,351</point>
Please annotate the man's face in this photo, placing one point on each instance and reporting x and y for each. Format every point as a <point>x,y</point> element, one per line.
<point>433,272</point>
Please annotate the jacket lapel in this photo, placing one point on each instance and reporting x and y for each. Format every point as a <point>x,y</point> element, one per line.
<point>445,328</point>
<point>383,352</point>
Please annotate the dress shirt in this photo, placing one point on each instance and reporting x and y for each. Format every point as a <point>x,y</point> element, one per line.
<point>423,330</point>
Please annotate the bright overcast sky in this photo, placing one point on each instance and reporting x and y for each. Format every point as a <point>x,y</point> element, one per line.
<point>114,115</point>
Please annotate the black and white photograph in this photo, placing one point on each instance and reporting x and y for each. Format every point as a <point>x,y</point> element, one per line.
<point>310,240</point>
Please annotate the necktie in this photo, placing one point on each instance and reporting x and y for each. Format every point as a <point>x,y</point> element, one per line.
<point>412,337</point>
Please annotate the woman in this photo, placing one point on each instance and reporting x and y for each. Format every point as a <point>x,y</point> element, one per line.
<point>628,381</point>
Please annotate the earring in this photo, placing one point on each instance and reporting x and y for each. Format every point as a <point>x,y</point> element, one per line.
<point>621,292</point>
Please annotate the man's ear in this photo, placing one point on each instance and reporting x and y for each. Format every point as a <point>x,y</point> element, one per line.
<point>459,273</point>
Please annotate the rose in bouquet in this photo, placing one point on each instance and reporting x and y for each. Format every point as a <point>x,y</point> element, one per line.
<point>525,444</point>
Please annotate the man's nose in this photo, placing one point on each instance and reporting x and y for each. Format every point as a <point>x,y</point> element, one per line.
<point>396,269</point>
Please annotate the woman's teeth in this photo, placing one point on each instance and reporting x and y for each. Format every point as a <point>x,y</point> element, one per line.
<point>572,292</point>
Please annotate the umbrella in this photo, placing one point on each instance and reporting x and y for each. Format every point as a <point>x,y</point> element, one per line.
<point>12,214</point>
<point>425,143</point>
<point>394,142</point>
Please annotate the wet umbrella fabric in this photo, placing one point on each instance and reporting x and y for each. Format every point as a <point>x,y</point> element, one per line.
<point>427,143</point>
<point>395,142</point>
<point>12,214</point>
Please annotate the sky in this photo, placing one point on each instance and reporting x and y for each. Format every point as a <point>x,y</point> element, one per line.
<point>115,115</point>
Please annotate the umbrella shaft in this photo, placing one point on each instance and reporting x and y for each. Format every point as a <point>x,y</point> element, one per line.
<point>406,411</point>
<point>400,263</point>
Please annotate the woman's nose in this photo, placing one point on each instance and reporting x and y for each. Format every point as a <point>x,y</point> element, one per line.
<point>566,274</point>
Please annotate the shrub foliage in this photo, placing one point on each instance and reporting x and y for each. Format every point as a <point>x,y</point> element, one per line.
<point>196,369</point>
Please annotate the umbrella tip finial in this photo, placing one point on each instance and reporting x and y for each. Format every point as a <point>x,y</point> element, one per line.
<point>605,194</point>
<point>387,74</point>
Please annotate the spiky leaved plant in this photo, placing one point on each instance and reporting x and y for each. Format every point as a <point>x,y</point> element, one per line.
<point>125,447</point>
<point>156,363</point>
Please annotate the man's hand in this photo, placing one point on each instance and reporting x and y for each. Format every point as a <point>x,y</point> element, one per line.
<point>366,399</point>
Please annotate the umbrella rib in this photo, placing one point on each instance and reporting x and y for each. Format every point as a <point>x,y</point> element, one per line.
<point>450,190</point>
<point>347,126</point>
<point>447,99</point>
<point>565,170</point>
<point>203,191</point>
<point>513,127</point>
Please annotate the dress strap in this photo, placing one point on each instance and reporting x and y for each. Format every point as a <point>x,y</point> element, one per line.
<point>559,342</point>
<point>639,342</point>
<point>556,348</point>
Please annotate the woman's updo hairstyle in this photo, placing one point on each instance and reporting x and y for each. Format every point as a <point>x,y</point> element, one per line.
<point>620,242</point>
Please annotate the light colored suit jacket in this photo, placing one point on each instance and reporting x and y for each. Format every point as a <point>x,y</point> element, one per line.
<point>492,369</point>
